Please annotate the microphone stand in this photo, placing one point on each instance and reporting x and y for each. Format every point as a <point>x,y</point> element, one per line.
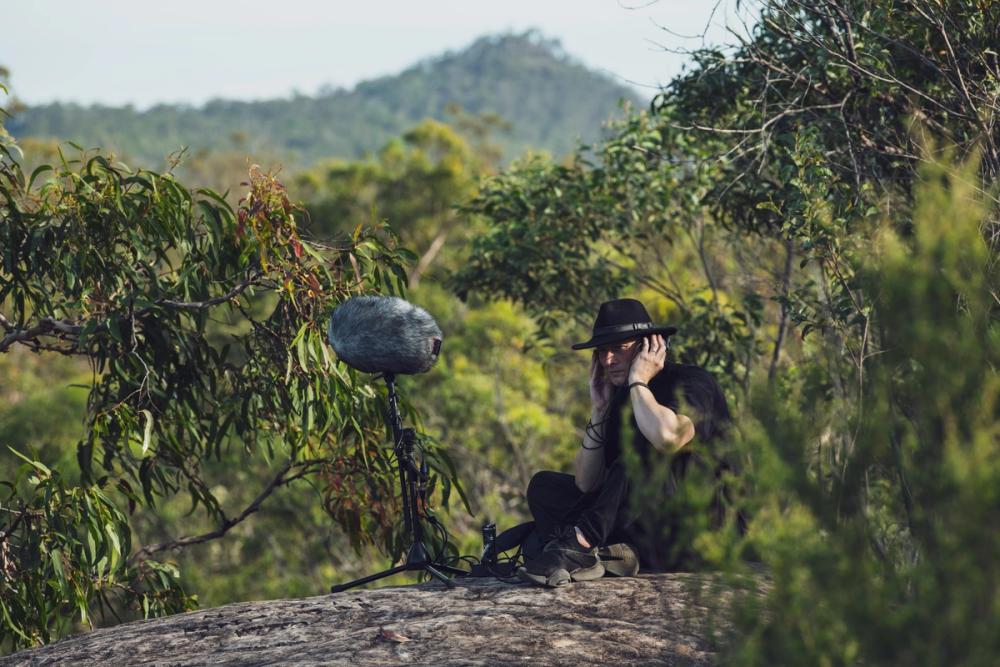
<point>410,476</point>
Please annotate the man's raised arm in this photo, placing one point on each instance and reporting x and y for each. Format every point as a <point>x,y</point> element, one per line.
<point>589,464</point>
<point>667,430</point>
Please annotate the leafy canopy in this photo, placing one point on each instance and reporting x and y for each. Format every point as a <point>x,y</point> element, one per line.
<point>204,331</point>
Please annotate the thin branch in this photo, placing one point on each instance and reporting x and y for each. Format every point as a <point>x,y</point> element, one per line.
<point>21,513</point>
<point>283,478</point>
<point>669,293</point>
<point>763,128</point>
<point>46,326</point>
<point>885,78</point>
<point>197,306</point>
<point>428,257</point>
<point>699,244</point>
<point>783,321</point>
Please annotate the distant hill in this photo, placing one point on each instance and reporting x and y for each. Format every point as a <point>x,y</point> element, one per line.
<point>550,99</point>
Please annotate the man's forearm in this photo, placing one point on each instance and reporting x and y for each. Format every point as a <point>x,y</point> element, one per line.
<point>589,464</point>
<point>667,430</point>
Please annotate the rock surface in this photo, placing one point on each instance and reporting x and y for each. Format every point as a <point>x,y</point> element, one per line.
<point>650,619</point>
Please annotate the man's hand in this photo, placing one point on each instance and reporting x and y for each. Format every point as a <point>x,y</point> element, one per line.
<point>601,391</point>
<point>649,360</point>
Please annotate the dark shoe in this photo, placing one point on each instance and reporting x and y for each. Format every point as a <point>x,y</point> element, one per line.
<point>619,560</point>
<point>562,560</point>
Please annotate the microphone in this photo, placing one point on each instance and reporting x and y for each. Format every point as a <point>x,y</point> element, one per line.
<point>384,334</point>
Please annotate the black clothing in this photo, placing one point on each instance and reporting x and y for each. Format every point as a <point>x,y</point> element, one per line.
<point>674,386</point>
<point>604,515</point>
<point>555,501</point>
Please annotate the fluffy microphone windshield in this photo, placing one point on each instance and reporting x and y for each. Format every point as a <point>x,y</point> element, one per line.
<point>384,334</point>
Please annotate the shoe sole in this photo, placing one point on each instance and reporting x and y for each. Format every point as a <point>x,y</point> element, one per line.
<point>561,577</point>
<point>619,560</point>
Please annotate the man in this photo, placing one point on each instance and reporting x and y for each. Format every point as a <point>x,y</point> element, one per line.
<point>584,519</point>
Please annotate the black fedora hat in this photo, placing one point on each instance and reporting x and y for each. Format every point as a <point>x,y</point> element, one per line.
<point>620,320</point>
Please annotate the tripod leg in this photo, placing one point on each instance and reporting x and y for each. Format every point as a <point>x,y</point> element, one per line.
<point>370,578</point>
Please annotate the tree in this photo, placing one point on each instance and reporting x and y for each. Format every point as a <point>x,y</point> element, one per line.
<point>774,154</point>
<point>888,556</point>
<point>204,331</point>
<point>550,99</point>
<point>415,181</point>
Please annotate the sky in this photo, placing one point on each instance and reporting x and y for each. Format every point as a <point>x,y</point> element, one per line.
<point>138,52</point>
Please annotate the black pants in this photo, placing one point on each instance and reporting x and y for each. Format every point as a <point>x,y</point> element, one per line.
<point>601,515</point>
<point>604,516</point>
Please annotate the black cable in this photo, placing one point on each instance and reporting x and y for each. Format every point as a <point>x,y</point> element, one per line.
<point>424,513</point>
<point>423,510</point>
<point>513,561</point>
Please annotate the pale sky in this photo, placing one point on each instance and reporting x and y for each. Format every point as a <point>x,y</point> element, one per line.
<point>141,52</point>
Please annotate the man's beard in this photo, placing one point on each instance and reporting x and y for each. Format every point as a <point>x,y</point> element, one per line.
<point>618,378</point>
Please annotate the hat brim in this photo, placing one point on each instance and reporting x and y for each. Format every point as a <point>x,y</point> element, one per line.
<point>607,339</point>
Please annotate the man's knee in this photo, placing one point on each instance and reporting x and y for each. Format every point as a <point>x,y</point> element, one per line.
<point>548,487</point>
<point>540,482</point>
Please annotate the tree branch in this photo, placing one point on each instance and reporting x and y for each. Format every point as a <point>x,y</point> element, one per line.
<point>67,330</point>
<point>47,326</point>
<point>783,321</point>
<point>197,306</point>
<point>282,478</point>
<point>428,257</point>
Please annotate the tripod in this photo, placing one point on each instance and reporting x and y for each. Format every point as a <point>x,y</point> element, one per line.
<point>410,475</point>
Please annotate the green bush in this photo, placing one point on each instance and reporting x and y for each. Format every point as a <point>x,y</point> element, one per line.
<point>885,553</point>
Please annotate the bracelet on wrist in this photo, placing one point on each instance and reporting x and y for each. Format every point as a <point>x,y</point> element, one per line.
<point>594,435</point>
<point>638,384</point>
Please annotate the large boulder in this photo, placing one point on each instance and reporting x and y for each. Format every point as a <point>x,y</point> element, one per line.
<point>650,619</point>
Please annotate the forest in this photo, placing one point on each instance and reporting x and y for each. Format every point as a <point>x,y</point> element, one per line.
<point>814,207</point>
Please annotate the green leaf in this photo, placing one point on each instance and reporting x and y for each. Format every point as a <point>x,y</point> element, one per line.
<point>303,354</point>
<point>147,432</point>
<point>55,557</point>
<point>114,329</point>
<point>116,549</point>
<point>38,170</point>
<point>38,465</point>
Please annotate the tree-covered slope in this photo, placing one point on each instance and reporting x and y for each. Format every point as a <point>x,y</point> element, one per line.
<point>549,99</point>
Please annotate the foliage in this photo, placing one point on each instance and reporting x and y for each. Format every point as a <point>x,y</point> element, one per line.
<point>857,74</point>
<point>505,406</point>
<point>562,238</point>
<point>888,556</point>
<point>414,180</point>
<point>550,100</point>
<point>203,332</point>
<point>496,399</point>
<point>769,205</point>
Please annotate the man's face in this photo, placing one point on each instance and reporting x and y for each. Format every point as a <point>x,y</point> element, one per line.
<point>616,360</point>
